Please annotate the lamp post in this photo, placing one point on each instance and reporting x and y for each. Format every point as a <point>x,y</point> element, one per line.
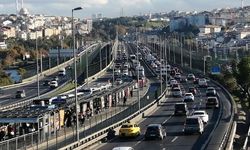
<point>76,102</point>
<point>137,57</point>
<point>166,61</point>
<point>37,68</point>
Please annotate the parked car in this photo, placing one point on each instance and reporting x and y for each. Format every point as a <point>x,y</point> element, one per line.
<point>20,94</point>
<point>211,91</point>
<point>202,114</point>
<point>212,102</point>
<point>193,124</point>
<point>155,131</point>
<point>188,97</point>
<point>181,109</point>
<point>129,130</point>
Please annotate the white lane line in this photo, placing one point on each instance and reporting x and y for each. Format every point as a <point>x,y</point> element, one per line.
<point>167,119</point>
<point>175,138</point>
<point>164,149</point>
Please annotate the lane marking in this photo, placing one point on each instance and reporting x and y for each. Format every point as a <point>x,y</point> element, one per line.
<point>175,138</point>
<point>164,149</point>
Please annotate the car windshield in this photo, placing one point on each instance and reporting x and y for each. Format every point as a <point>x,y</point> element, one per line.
<point>188,94</point>
<point>192,121</point>
<point>127,126</point>
<point>19,92</point>
<point>153,128</point>
<point>176,90</point>
<point>180,106</point>
<point>198,113</point>
<point>211,99</point>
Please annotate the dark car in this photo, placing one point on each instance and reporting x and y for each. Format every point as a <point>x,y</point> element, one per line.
<point>192,90</point>
<point>155,131</point>
<point>212,102</point>
<point>196,80</point>
<point>46,82</point>
<point>20,94</point>
<point>181,109</point>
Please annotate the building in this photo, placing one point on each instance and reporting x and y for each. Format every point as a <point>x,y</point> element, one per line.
<point>32,35</point>
<point>8,31</point>
<point>207,29</point>
<point>3,45</point>
<point>50,31</point>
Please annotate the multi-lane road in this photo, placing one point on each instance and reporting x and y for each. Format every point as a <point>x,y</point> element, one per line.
<point>219,120</point>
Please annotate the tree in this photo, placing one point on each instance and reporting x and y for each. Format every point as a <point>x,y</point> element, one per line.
<point>242,75</point>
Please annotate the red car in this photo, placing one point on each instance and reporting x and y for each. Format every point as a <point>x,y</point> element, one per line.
<point>192,90</point>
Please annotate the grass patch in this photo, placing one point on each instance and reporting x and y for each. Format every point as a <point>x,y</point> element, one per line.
<point>65,88</point>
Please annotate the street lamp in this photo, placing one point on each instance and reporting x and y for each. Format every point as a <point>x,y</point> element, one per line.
<point>76,102</point>
<point>138,92</point>
<point>204,63</point>
<point>37,68</point>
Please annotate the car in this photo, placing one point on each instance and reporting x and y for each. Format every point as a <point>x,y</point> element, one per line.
<point>177,76</point>
<point>20,94</point>
<point>190,76</point>
<point>172,82</point>
<point>193,124</point>
<point>192,90</point>
<point>53,84</point>
<point>176,85</point>
<point>177,92</point>
<point>196,81</point>
<point>181,109</point>
<point>55,78</point>
<point>202,114</point>
<point>129,129</point>
<point>46,82</point>
<point>211,91</point>
<point>188,97</point>
<point>183,79</point>
<point>123,148</point>
<point>125,72</point>
<point>202,82</point>
<point>212,102</point>
<point>155,131</point>
<point>62,72</point>
<point>118,81</point>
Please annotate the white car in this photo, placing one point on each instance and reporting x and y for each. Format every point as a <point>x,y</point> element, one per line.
<point>177,92</point>
<point>202,82</point>
<point>125,72</point>
<point>189,97</point>
<point>211,91</point>
<point>123,148</point>
<point>53,84</point>
<point>202,114</point>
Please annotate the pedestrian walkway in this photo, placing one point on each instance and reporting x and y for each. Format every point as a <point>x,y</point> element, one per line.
<point>67,133</point>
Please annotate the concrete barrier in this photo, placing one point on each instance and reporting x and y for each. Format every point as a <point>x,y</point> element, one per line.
<point>46,72</point>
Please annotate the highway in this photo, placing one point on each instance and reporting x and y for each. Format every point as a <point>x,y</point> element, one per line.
<point>31,89</point>
<point>176,139</point>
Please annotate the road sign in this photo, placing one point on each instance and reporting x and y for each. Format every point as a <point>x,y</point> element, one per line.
<point>215,70</point>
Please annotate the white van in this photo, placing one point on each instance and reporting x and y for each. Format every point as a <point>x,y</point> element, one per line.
<point>62,72</point>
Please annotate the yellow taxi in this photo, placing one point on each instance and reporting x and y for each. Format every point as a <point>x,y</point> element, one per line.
<point>129,129</point>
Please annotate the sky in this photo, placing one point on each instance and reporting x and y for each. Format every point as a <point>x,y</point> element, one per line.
<point>113,8</point>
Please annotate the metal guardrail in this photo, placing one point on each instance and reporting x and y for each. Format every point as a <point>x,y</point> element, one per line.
<point>99,135</point>
<point>246,140</point>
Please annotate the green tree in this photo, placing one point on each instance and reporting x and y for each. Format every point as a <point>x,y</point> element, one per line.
<point>242,74</point>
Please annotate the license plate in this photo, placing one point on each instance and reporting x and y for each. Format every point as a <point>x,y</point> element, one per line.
<point>152,134</point>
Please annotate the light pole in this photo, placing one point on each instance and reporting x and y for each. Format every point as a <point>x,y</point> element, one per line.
<point>160,48</point>
<point>190,55</point>
<point>166,61</point>
<point>37,69</point>
<point>181,53</point>
<point>76,102</point>
<point>204,63</point>
<point>137,57</point>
